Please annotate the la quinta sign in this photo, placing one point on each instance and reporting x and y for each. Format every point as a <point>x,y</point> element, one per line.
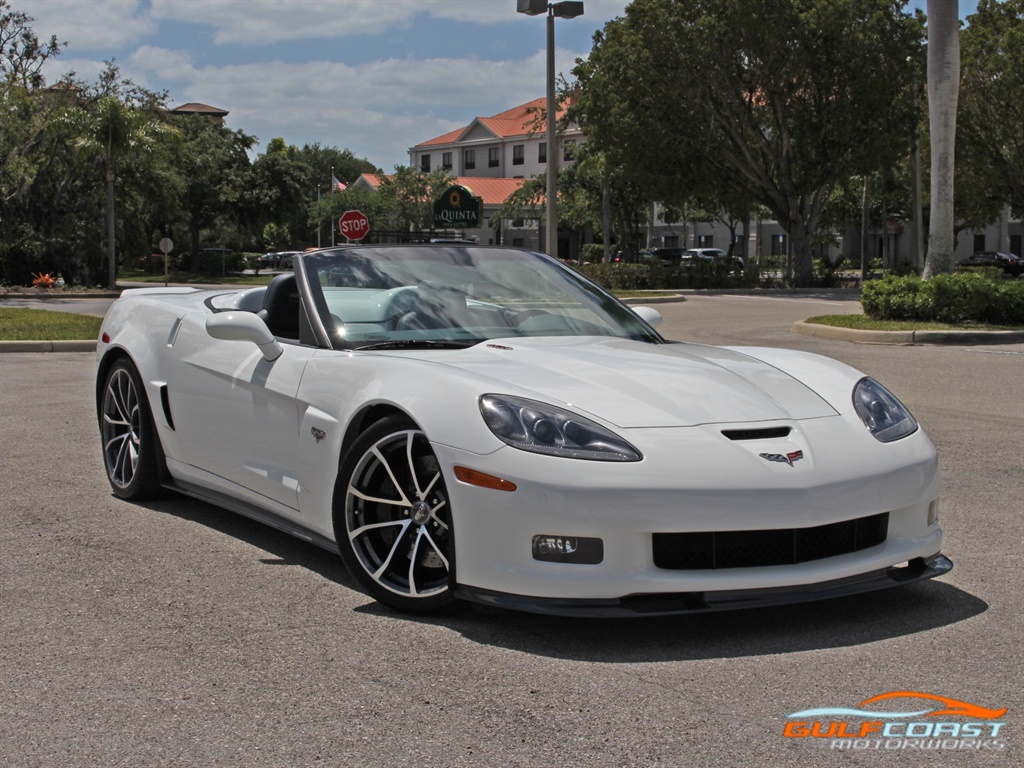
<point>457,207</point>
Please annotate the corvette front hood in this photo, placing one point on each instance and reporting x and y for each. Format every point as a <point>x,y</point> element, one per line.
<point>632,384</point>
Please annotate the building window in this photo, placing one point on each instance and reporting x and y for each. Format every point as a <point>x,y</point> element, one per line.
<point>494,157</point>
<point>979,243</point>
<point>778,245</point>
<point>425,163</point>
<point>671,241</point>
<point>518,242</point>
<point>542,152</point>
<point>470,158</point>
<point>705,241</point>
<point>568,148</point>
<point>518,156</point>
<point>446,160</point>
<point>1015,243</point>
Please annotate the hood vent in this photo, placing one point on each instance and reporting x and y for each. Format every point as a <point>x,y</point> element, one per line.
<point>768,433</point>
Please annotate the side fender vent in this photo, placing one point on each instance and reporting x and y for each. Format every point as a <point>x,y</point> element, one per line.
<point>165,403</point>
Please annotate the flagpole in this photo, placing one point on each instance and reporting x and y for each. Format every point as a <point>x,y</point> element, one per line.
<point>332,192</point>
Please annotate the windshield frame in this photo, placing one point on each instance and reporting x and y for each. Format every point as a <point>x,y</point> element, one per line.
<point>373,284</point>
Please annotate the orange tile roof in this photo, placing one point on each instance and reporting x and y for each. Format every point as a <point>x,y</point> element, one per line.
<point>517,121</point>
<point>494,191</point>
<point>196,107</point>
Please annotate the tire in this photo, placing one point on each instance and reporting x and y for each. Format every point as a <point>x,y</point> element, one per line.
<point>131,448</point>
<point>392,520</point>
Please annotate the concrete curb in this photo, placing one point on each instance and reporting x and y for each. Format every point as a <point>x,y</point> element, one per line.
<point>59,296</point>
<point>84,345</point>
<point>908,337</point>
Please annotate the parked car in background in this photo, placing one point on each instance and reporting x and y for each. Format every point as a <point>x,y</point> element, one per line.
<point>1010,263</point>
<point>714,254</point>
<point>669,257</point>
<point>280,260</point>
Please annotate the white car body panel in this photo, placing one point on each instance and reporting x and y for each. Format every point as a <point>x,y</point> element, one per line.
<point>271,433</point>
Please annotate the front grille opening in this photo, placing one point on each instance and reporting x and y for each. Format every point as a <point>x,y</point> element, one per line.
<point>765,433</point>
<point>708,550</point>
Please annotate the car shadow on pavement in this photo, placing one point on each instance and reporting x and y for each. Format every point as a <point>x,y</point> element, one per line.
<point>836,623</point>
<point>282,548</point>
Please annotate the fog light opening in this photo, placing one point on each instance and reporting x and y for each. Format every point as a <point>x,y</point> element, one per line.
<point>568,549</point>
<point>933,513</point>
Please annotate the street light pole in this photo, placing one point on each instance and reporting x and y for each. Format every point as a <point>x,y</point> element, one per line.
<point>551,196</point>
<point>567,9</point>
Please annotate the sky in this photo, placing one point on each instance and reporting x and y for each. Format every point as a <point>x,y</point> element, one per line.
<point>372,76</point>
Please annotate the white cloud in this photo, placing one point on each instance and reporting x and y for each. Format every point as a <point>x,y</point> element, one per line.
<point>90,24</point>
<point>377,109</point>
<point>266,21</point>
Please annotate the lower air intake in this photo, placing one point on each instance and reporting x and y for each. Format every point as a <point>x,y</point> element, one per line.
<point>748,549</point>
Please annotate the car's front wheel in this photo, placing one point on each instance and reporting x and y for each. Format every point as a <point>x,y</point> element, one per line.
<point>392,518</point>
<point>131,448</point>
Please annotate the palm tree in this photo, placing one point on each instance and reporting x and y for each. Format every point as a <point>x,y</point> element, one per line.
<point>943,92</point>
<point>113,128</point>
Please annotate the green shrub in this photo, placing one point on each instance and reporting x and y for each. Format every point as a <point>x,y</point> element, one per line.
<point>215,263</point>
<point>620,277</point>
<point>1007,304</point>
<point>994,273</point>
<point>891,298</point>
<point>592,253</point>
<point>963,297</point>
<point>955,298</point>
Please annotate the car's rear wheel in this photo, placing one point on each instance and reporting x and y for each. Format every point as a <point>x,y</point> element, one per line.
<point>131,449</point>
<point>392,518</point>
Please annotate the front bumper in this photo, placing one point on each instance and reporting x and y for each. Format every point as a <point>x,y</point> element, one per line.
<point>667,604</point>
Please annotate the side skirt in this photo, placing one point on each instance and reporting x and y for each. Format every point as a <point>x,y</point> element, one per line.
<point>253,513</point>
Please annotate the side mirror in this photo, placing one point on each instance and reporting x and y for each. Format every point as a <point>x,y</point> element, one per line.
<point>244,326</point>
<point>649,315</point>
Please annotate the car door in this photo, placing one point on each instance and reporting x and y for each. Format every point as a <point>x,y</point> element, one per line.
<point>235,412</point>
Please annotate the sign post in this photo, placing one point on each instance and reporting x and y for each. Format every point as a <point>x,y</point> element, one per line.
<point>166,245</point>
<point>354,225</point>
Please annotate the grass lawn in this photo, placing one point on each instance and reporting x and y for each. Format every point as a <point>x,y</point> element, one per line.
<point>864,323</point>
<point>18,324</point>
<point>192,277</point>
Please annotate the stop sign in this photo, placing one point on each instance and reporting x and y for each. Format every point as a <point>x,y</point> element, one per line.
<point>354,225</point>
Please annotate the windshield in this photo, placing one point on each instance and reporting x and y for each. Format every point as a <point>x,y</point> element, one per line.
<point>406,296</point>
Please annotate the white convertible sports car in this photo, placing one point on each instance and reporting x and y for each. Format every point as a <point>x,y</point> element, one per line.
<point>483,424</point>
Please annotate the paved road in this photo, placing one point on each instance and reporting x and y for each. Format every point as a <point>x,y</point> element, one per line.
<point>174,634</point>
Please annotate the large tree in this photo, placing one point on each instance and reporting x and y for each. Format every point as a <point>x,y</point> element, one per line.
<point>775,101</point>
<point>117,119</point>
<point>990,120</point>
<point>214,163</point>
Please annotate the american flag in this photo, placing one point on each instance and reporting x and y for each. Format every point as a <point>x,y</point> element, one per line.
<point>336,185</point>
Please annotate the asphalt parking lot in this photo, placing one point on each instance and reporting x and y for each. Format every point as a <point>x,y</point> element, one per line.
<point>175,634</point>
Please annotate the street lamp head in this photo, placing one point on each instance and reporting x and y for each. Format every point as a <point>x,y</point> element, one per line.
<point>532,7</point>
<point>569,9</point>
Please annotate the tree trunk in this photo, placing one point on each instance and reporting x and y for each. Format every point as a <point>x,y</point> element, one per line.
<point>800,246</point>
<point>865,222</point>
<point>943,92</point>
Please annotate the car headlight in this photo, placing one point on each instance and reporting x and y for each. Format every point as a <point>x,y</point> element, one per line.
<point>542,428</point>
<point>884,415</point>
